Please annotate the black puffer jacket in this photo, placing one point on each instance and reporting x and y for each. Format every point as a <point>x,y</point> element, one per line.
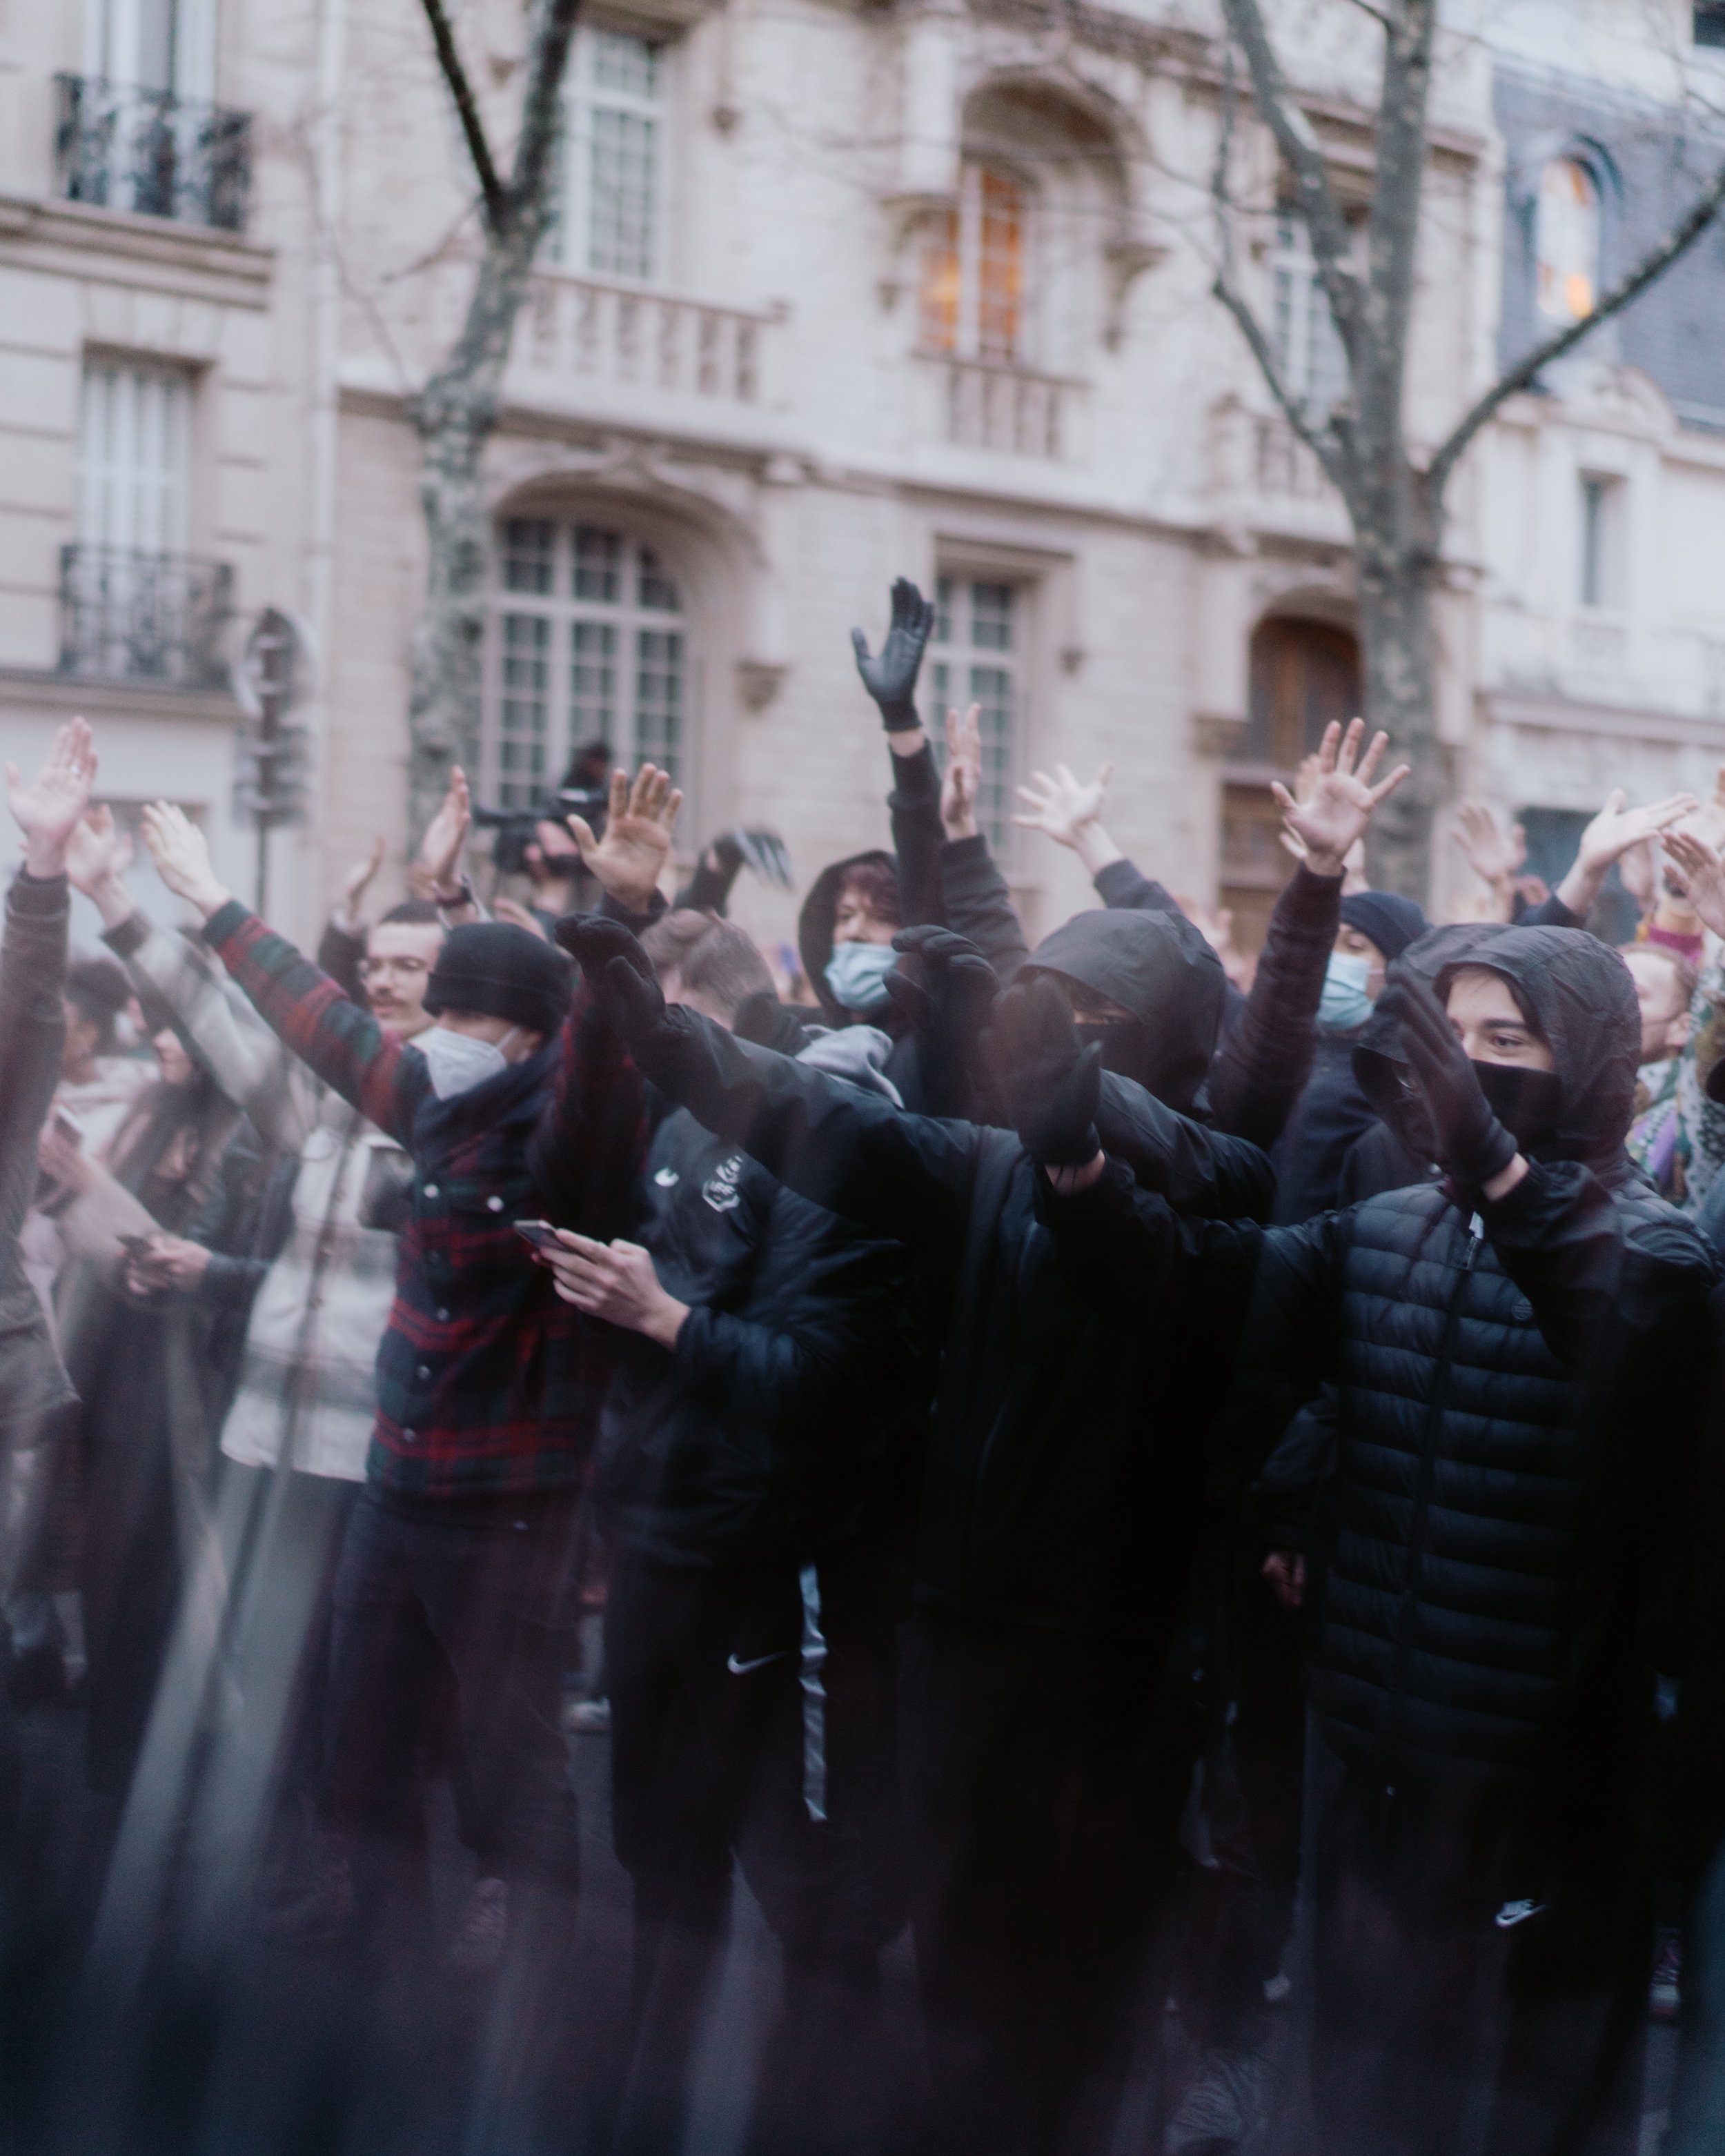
<point>1513,1388</point>
<point>1062,1455</point>
<point>764,1433</point>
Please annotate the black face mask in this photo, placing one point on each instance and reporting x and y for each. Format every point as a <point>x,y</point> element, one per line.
<point>1527,1103</point>
<point>1125,1050</point>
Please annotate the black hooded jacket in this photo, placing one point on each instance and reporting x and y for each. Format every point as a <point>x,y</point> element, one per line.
<point>1063,1441</point>
<point>1513,1382</point>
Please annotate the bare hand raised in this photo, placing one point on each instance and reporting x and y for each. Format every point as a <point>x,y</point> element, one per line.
<point>631,858</point>
<point>1328,821</point>
<point>47,810</point>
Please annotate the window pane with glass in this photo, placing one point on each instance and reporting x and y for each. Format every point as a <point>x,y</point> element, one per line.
<point>1309,352</point>
<point>1567,269</point>
<point>587,644</point>
<point>608,223</point>
<point>977,633</point>
<point>972,289</point>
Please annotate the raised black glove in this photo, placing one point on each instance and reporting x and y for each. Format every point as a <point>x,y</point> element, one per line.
<point>1050,1083</point>
<point>890,679</point>
<point>620,975</point>
<point>1472,1142</point>
<point>945,997</point>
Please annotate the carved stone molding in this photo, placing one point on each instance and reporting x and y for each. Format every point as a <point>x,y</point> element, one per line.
<point>759,680</point>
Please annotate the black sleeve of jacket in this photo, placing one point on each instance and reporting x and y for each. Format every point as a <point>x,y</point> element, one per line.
<point>1293,1322</point>
<point>339,953</point>
<point>909,1176</point>
<point>979,905</point>
<point>1266,1060</point>
<point>1123,1246</point>
<point>33,1030</point>
<point>1125,888</point>
<point>1376,1162</point>
<point>914,805</point>
<point>1199,1170</point>
<point>845,1336</point>
<point>1561,1239</point>
<point>1549,913</point>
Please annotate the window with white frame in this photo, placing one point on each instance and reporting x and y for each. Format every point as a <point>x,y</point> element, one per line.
<point>974,289</point>
<point>587,644</point>
<point>1309,352</point>
<point>1600,583</point>
<point>152,44</point>
<point>978,654</point>
<point>1567,275</point>
<point>134,456</point>
<point>611,215</point>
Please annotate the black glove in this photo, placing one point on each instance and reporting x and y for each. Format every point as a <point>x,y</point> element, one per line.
<point>1050,1083</point>
<point>620,975</point>
<point>1473,1145</point>
<point>946,1000</point>
<point>891,679</point>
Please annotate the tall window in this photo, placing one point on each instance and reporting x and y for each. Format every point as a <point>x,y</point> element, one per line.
<point>1308,349</point>
<point>972,284</point>
<point>134,457</point>
<point>1600,582</point>
<point>152,44</point>
<point>613,193</point>
<point>1709,21</point>
<point>1568,277</point>
<point>978,635</point>
<point>588,644</point>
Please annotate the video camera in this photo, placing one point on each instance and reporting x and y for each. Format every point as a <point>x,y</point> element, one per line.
<point>518,829</point>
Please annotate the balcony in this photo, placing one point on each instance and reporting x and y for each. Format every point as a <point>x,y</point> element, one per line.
<point>986,404</point>
<point>126,616</point>
<point>585,329</point>
<point>151,153</point>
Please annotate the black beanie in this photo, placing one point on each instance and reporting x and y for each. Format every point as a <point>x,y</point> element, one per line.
<point>1392,921</point>
<point>501,971</point>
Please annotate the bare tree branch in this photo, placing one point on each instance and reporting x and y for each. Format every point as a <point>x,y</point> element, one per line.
<point>1677,241</point>
<point>467,111</point>
<point>542,103</point>
<point>1330,246</point>
<point>1292,409</point>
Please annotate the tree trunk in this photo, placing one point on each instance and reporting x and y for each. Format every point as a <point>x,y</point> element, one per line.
<point>455,415</point>
<point>1399,649</point>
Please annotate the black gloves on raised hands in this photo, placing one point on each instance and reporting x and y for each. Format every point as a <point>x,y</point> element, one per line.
<point>620,975</point>
<point>1050,1083</point>
<point>1473,1145</point>
<point>945,997</point>
<point>891,678</point>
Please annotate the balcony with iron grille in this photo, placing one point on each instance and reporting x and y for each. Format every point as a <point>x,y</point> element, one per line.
<point>151,153</point>
<point>127,616</point>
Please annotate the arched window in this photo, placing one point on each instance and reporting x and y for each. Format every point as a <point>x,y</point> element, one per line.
<point>974,285</point>
<point>588,644</point>
<point>1568,241</point>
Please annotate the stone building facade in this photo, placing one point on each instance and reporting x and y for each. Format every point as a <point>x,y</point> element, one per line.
<point>837,291</point>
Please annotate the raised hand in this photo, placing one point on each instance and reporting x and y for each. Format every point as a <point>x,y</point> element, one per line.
<point>620,977</point>
<point>1474,1146</point>
<point>1699,873</point>
<point>98,852</point>
<point>631,858</point>
<point>47,810</point>
<point>1610,835</point>
<point>358,881</point>
<point>964,776</point>
<point>1061,806</point>
<point>891,676</point>
<point>1496,857</point>
<point>445,836</point>
<point>1335,814</point>
<point>181,854</point>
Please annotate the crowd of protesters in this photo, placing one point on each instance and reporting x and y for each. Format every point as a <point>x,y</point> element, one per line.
<point>1188,1486</point>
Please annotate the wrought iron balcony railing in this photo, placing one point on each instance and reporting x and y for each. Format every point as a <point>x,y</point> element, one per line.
<point>126,616</point>
<point>150,152</point>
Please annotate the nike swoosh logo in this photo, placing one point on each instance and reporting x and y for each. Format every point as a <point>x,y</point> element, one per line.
<point>666,1177</point>
<point>741,1669</point>
<point>1517,1912</point>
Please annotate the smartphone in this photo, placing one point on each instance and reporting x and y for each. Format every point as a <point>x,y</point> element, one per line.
<point>540,1234</point>
<point>135,1246</point>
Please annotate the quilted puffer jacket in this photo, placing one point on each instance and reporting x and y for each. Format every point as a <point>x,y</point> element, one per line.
<point>1515,1389</point>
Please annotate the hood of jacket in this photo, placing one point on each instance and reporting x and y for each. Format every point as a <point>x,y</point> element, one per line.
<point>814,925</point>
<point>1580,994</point>
<point>1157,967</point>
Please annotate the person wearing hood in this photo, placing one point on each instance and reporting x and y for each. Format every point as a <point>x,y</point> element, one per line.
<point>512,1105</point>
<point>751,1481</point>
<point>1514,1352</point>
<point>1057,1504</point>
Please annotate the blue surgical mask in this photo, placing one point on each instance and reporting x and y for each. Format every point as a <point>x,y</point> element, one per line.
<point>856,974</point>
<point>1345,1003</point>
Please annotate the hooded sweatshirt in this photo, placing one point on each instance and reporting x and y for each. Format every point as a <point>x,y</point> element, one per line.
<point>1513,1380</point>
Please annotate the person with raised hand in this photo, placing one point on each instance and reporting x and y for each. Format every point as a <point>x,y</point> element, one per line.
<point>36,1398</point>
<point>1062,1474</point>
<point>510,1106</point>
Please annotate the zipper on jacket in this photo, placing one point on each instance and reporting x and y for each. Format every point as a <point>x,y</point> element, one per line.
<point>1422,1504</point>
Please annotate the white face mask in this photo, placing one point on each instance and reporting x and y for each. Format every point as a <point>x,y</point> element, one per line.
<point>460,1062</point>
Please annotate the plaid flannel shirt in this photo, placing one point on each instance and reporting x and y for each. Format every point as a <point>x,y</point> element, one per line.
<point>486,1383</point>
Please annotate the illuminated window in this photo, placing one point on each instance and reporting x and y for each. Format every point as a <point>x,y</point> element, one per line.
<point>972,289</point>
<point>978,632</point>
<point>1309,352</point>
<point>1569,246</point>
<point>587,644</point>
